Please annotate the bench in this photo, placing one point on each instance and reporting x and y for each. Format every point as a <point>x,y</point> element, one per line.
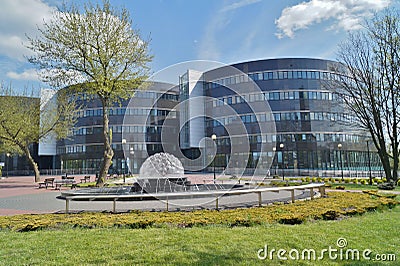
<point>85,179</point>
<point>65,182</point>
<point>46,183</point>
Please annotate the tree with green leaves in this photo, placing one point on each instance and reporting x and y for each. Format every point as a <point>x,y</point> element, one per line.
<point>97,52</point>
<point>370,85</point>
<point>24,120</point>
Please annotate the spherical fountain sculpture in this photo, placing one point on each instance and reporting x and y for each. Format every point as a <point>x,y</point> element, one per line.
<point>160,173</point>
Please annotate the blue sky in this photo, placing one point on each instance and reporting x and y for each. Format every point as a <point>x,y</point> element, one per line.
<point>226,31</point>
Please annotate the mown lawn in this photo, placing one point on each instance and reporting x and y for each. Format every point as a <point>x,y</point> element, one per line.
<point>202,245</point>
<point>352,186</point>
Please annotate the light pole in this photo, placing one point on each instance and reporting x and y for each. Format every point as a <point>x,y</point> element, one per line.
<point>274,150</point>
<point>341,160</point>
<point>282,146</point>
<point>214,138</point>
<point>369,164</point>
<point>132,153</point>
<point>123,143</point>
<point>8,161</point>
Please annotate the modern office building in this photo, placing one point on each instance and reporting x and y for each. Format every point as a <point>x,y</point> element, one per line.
<point>136,131</point>
<point>315,135</point>
<point>270,116</point>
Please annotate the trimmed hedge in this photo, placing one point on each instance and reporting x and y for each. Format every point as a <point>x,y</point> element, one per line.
<point>336,205</point>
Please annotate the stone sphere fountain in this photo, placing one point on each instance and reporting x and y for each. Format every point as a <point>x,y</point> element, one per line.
<point>160,173</point>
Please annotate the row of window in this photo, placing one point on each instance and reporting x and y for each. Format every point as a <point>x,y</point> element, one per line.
<point>272,75</point>
<point>275,96</point>
<point>82,131</point>
<point>127,111</point>
<point>139,94</point>
<point>79,148</point>
<point>285,116</point>
<point>285,138</point>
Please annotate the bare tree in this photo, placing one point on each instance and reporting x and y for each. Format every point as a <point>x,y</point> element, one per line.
<point>370,62</point>
<point>97,52</point>
<point>21,124</point>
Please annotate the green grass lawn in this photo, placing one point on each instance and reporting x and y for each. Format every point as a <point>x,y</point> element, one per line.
<point>361,187</point>
<point>204,245</point>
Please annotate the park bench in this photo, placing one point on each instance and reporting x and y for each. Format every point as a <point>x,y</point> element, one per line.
<point>85,179</point>
<point>65,182</point>
<point>47,182</point>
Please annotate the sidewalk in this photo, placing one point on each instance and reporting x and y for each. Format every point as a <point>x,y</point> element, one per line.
<point>16,192</point>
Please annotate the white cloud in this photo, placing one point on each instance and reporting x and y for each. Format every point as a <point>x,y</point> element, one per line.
<point>239,4</point>
<point>17,18</point>
<point>28,74</point>
<point>345,14</point>
<point>209,46</point>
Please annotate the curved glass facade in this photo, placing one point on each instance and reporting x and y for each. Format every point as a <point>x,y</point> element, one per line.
<point>313,134</point>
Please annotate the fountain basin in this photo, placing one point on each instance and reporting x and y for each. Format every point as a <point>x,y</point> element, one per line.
<point>137,190</point>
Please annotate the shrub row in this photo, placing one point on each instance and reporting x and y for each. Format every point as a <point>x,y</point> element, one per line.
<point>337,204</point>
<point>363,181</point>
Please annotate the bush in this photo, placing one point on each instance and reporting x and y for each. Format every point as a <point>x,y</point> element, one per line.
<point>335,205</point>
<point>308,179</point>
<point>364,181</point>
<point>355,181</point>
<point>347,180</point>
<point>340,187</point>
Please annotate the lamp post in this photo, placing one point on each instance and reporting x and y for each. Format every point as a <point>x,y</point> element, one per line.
<point>341,160</point>
<point>132,153</point>
<point>369,164</point>
<point>274,150</point>
<point>214,138</point>
<point>123,143</point>
<point>8,161</point>
<point>282,146</point>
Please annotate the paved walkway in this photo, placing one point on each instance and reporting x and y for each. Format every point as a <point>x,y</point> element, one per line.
<point>21,195</point>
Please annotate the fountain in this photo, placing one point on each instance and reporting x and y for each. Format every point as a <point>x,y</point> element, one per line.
<point>160,173</point>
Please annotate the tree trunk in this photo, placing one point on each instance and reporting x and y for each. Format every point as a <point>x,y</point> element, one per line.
<point>32,162</point>
<point>108,151</point>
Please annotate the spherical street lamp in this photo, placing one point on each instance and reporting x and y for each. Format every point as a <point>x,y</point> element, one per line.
<point>282,146</point>
<point>214,138</point>
<point>8,161</point>
<point>341,160</point>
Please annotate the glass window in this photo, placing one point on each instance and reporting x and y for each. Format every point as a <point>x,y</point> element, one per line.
<point>305,116</point>
<point>253,76</point>
<point>267,75</point>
